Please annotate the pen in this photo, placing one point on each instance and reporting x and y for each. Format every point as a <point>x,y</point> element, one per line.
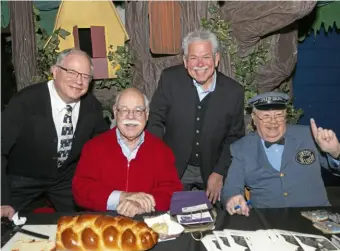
<point>238,206</point>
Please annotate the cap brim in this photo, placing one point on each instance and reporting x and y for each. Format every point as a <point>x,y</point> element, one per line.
<point>267,107</point>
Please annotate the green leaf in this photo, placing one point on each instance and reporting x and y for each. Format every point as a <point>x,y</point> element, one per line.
<point>63,33</point>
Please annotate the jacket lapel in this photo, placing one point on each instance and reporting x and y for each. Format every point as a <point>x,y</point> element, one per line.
<point>189,98</point>
<point>260,153</point>
<point>82,124</point>
<point>47,110</point>
<point>290,149</point>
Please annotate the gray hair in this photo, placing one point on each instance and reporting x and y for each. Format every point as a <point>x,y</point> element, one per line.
<point>200,35</point>
<point>146,100</point>
<point>62,55</point>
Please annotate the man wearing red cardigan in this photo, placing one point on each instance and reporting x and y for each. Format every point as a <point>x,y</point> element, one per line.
<point>126,169</point>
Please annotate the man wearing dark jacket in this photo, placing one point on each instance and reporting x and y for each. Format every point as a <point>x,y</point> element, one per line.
<point>199,112</point>
<point>44,128</point>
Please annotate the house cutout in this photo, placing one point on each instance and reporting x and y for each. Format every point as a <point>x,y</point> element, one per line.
<point>94,26</point>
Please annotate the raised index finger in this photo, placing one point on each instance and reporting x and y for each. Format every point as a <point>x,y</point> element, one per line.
<point>314,128</point>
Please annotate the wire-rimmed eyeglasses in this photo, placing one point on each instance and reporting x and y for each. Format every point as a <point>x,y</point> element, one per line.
<point>268,118</point>
<point>138,112</point>
<point>75,74</point>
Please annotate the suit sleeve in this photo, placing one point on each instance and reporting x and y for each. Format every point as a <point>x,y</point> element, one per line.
<point>159,108</point>
<point>235,180</point>
<point>329,163</point>
<point>100,124</point>
<point>11,124</point>
<point>236,131</point>
<point>87,187</point>
<point>168,181</point>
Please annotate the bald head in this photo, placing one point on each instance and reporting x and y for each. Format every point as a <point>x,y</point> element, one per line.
<point>132,93</point>
<point>131,112</point>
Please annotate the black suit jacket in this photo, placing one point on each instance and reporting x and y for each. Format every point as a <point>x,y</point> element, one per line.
<point>29,139</point>
<point>172,117</point>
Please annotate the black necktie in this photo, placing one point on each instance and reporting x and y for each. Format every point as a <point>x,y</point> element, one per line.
<point>66,137</point>
<point>279,142</point>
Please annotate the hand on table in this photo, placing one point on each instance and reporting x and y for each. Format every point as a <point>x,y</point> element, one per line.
<point>235,201</point>
<point>144,200</point>
<point>130,208</point>
<point>7,211</point>
<point>214,187</point>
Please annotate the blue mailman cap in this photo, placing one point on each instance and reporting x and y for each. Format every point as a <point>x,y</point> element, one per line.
<point>269,101</point>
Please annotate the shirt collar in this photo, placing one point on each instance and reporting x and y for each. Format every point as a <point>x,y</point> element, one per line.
<point>60,104</point>
<point>121,141</point>
<point>211,88</point>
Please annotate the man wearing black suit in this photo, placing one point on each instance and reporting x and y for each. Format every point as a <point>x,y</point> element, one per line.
<point>199,112</point>
<point>44,128</point>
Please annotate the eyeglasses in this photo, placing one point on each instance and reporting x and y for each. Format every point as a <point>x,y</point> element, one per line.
<point>136,112</point>
<point>268,118</point>
<point>75,74</point>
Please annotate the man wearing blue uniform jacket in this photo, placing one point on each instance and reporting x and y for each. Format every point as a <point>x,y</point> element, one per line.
<point>279,163</point>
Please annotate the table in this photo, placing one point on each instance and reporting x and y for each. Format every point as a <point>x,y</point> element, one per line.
<point>283,218</point>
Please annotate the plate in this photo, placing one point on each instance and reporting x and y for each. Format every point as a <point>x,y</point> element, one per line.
<point>49,230</point>
<point>175,229</point>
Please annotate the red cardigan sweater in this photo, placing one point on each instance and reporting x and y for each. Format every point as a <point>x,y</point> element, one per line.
<point>103,168</point>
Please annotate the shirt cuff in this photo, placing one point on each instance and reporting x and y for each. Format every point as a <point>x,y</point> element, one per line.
<point>333,163</point>
<point>113,200</point>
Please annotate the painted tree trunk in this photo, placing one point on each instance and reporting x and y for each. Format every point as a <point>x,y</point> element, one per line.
<point>23,42</point>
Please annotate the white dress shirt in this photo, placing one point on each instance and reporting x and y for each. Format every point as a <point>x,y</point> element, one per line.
<point>59,110</point>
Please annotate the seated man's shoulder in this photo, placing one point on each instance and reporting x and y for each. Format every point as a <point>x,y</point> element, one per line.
<point>156,142</point>
<point>244,142</point>
<point>299,130</point>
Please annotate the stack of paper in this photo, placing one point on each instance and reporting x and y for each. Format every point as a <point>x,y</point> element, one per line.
<point>191,207</point>
<point>263,240</point>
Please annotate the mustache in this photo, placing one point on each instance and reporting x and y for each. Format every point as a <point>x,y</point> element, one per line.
<point>131,122</point>
<point>196,68</point>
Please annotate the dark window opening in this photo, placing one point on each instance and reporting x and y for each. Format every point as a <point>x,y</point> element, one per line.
<point>85,42</point>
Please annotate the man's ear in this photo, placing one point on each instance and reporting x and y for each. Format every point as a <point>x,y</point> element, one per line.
<point>114,110</point>
<point>147,114</point>
<point>217,59</point>
<point>253,118</point>
<point>185,62</point>
<point>53,70</point>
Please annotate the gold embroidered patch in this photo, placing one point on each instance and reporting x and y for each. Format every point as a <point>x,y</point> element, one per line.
<point>305,157</point>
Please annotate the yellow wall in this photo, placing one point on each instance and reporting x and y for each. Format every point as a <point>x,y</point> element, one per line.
<point>91,13</point>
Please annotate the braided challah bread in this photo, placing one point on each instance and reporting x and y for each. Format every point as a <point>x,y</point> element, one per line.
<point>103,233</point>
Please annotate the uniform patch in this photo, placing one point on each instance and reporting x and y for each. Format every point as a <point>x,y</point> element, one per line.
<point>305,157</point>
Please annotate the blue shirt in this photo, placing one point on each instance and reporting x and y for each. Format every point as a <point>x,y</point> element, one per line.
<point>113,199</point>
<point>201,92</point>
<point>274,154</point>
